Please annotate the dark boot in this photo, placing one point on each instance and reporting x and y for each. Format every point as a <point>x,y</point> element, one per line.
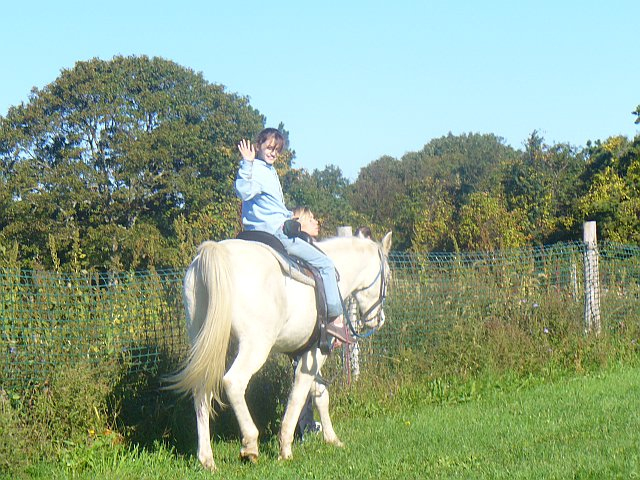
<point>325,343</point>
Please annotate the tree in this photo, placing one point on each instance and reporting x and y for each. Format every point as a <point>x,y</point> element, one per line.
<point>486,225</point>
<point>325,193</point>
<point>432,217</point>
<point>613,197</point>
<point>119,151</point>
<point>376,190</point>
<point>545,183</point>
<point>421,194</point>
<point>468,162</point>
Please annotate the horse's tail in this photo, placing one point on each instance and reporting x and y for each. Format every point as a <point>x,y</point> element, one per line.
<point>204,368</point>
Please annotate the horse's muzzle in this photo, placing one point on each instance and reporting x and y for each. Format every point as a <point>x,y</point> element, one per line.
<point>375,321</point>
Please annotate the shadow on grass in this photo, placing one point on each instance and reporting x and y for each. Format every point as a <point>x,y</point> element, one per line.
<point>147,415</point>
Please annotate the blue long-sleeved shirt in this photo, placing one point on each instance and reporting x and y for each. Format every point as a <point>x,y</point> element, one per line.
<point>258,185</point>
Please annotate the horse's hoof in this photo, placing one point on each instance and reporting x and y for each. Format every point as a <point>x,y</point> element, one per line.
<point>249,457</point>
<point>336,443</point>
<point>285,455</point>
<point>209,464</point>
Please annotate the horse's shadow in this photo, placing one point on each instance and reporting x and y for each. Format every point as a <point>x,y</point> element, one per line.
<point>148,415</point>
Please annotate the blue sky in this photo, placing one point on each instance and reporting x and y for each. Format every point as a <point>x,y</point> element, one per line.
<point>355,80</point>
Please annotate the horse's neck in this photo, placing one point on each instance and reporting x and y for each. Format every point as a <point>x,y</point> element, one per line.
<point>348,259</point>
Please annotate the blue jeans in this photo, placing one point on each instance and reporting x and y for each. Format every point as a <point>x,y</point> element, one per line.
<point>310,254</point>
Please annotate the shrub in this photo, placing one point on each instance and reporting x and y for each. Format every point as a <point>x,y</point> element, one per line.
<point>13,444</point>
<point>71,410</point>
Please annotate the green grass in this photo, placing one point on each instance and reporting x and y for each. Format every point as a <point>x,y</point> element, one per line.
<point>576,427</point>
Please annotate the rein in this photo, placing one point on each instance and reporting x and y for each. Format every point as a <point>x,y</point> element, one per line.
<point>379,302</point>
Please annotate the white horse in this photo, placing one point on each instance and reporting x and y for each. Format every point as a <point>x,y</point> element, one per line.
<point>236,288</point>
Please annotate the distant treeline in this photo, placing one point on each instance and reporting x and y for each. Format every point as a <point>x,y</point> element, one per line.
<point>129,163</point>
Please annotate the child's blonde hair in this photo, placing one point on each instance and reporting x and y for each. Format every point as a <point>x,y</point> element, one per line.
<point>301,213</point>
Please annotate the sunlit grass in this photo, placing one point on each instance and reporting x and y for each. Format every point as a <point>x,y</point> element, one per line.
<point>576,427</point>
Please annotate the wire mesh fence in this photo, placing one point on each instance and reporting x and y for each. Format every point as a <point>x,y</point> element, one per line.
<point>434,291</point>
<point>50,320</point>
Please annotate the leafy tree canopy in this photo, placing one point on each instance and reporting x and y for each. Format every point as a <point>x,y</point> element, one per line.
<point>325,192</point>
<point>115,153</point>
<point>422,191</point>
<point>613,196</point>
<point>129,163</point>
<point>544,183</point>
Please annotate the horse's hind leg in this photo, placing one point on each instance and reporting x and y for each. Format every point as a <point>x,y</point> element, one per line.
<point>247,363</point>
<point>202,404</point>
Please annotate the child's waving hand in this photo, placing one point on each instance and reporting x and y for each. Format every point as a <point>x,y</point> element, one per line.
<point>247,150</point>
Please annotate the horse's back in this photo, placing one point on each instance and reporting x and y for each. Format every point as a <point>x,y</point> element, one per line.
<point>256,275</point>
<point>251,261</point>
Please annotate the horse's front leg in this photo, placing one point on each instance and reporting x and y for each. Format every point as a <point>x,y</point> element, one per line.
<point>320,395</point>
<point>202,404</point>
<point>297,399</point>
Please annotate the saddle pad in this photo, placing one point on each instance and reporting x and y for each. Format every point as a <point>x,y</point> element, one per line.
<point>274,246</point>
<point>263,237</point>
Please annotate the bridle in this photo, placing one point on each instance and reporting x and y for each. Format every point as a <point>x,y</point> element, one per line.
<point>382,295</point>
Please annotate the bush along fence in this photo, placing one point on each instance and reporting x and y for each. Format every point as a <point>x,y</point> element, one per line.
<point>542,291</point>
<point>52,320</point>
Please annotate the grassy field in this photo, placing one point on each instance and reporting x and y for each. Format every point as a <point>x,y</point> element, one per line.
<point>583,427</point>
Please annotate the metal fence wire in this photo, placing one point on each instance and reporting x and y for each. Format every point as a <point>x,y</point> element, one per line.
<point>50,320</point>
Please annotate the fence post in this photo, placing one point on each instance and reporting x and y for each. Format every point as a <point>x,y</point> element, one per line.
<point>351,352</point>
<point>345,231</point>
<point>591,280</point>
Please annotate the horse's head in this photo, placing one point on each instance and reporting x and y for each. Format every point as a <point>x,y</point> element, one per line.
<point>370,295</point>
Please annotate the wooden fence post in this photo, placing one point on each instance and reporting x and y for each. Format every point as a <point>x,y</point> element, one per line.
<point>345,231</point>
<point>591,279</point>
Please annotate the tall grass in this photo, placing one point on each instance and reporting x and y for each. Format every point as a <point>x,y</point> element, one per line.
<point>51,320</point>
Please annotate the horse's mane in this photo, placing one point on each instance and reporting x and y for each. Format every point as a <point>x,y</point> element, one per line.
<point>345,247</point>
<point>346,243</point>
<point>355,241</point>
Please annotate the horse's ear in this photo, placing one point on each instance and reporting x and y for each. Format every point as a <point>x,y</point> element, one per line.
<point>386,243</point>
